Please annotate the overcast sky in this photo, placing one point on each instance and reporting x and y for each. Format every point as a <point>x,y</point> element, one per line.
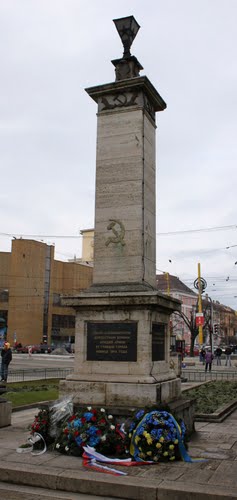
<point>50,51</point>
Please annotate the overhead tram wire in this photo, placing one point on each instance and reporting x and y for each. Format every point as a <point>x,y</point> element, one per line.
<point>185,231</point>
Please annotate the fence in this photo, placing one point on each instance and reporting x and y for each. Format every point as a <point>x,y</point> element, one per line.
<point>202,376</point>
<point>38,374</point>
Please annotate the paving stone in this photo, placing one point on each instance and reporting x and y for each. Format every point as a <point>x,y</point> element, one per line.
<point>225,474</point>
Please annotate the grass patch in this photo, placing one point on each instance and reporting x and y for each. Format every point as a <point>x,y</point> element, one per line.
<point>32,391</point>
<point>209,397</point>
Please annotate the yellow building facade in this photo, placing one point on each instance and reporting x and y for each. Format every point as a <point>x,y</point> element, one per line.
<point>31,283</point>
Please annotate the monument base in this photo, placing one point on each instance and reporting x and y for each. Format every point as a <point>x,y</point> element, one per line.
<point>119,394</point>
<point>122,349</point>
<point>5,412</point>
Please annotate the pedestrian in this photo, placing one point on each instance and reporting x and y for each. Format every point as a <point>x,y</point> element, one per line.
<point>228,352</point>
<point>202,354</point>
<point>208,359</point>
<point>6,355</point>
<point>218,354</point>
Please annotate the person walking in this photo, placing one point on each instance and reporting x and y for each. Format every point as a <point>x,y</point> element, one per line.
<point>208,359</point>
<point>202,354</point>
<point>218,354</point>
<point>6,355</point>
<point>228,352</point>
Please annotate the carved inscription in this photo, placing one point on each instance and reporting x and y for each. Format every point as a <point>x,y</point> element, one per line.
<point>111,341</point>
<point>119,100</point>
<point>118,232</point>
<point>158,341</point>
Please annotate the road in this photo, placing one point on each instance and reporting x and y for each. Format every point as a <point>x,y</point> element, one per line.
<point>24,362</point>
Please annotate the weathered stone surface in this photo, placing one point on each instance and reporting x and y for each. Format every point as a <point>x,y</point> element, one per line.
<point>5,412</point>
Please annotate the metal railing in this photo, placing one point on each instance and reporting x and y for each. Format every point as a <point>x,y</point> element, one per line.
<point>202,376</point>
<point>38,374</point>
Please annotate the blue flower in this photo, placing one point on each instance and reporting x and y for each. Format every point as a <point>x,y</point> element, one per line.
<point>156,433</point>
<point>92,430</point>
<point>139,414</point>
<point>77,423</point>
<point>78,440</point>
<point>132,426</point>
<point>93,441</point>
<point>140,429</point>
<point>88,415</point>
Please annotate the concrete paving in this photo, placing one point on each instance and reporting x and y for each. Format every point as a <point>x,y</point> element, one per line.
<point>57,476</point>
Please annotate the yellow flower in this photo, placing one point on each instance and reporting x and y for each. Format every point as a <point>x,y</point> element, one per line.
<point>149,440</point>
<point>171,447</point>
<point>161,440</point>
<point>145,433</point>
<point>149,453</point>
<point>172,458</point>
<point>176,441</point>
<point>130,435</point>
<point>165,453</point>
<point>137,439</point>
<point>142,455</point>
<point>158,445</point>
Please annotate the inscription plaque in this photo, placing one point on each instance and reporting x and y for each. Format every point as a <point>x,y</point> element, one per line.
<point>111,341</point>
<point>158,341</point>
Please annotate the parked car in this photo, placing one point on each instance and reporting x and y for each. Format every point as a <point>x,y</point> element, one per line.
<point>195,350</point>
<point>21,349</point>
<point>41,349</point>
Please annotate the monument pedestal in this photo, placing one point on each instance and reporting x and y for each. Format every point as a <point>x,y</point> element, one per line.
<point>122,350</point>
<point>5,412</point>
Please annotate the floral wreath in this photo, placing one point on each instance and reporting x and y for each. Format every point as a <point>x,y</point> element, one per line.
<point>92,427</point>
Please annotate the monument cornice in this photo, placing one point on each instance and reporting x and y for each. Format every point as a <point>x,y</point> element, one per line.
<point>135,300</point>
<point>140,83</point>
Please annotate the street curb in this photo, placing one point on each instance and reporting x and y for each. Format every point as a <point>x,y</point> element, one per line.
<point>217,416</point>
<point>32,405</point>
<point>93,483</point>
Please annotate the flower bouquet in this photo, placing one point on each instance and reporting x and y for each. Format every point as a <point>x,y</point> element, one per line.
<point>156,436</point>
<point>93,427</point>
<point>41,425</point>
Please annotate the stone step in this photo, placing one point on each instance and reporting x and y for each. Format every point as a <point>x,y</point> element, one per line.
<point>17,492</point>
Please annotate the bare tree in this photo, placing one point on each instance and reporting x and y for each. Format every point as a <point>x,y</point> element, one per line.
<point>190,322</point>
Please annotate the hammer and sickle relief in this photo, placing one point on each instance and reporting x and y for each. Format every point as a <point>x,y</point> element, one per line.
<point>119,233</point>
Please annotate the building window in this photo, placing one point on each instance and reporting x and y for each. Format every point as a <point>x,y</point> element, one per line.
<point>4,295</point>
<point>63,321</point>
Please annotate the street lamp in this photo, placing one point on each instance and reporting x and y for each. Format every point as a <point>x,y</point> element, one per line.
<point>127,28</point>
<point>212,324</point>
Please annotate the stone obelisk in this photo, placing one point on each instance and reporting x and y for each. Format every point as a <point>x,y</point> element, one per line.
<point>122,323</point>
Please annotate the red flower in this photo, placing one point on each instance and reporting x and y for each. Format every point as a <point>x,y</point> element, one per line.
<point>83,420</point>
<point>93,419</point>
<point>72,418</point>
<point>102,421</point>
<point>94,411</point>
<point>99,432</point>
<point>76,433</point>
<point>66,431</point>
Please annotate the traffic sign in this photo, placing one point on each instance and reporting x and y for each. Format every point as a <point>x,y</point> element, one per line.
<point>199,319</point>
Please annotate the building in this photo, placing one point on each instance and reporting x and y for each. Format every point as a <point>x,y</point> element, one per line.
<point>31,284</point>
<point>223,317</point>
<point>171,285</point>
<point>87,257</point>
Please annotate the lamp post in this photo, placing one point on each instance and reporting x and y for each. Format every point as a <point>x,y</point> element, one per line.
<point>212,323</point>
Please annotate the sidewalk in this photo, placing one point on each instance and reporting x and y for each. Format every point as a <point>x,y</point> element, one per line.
<point>213,479</point>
